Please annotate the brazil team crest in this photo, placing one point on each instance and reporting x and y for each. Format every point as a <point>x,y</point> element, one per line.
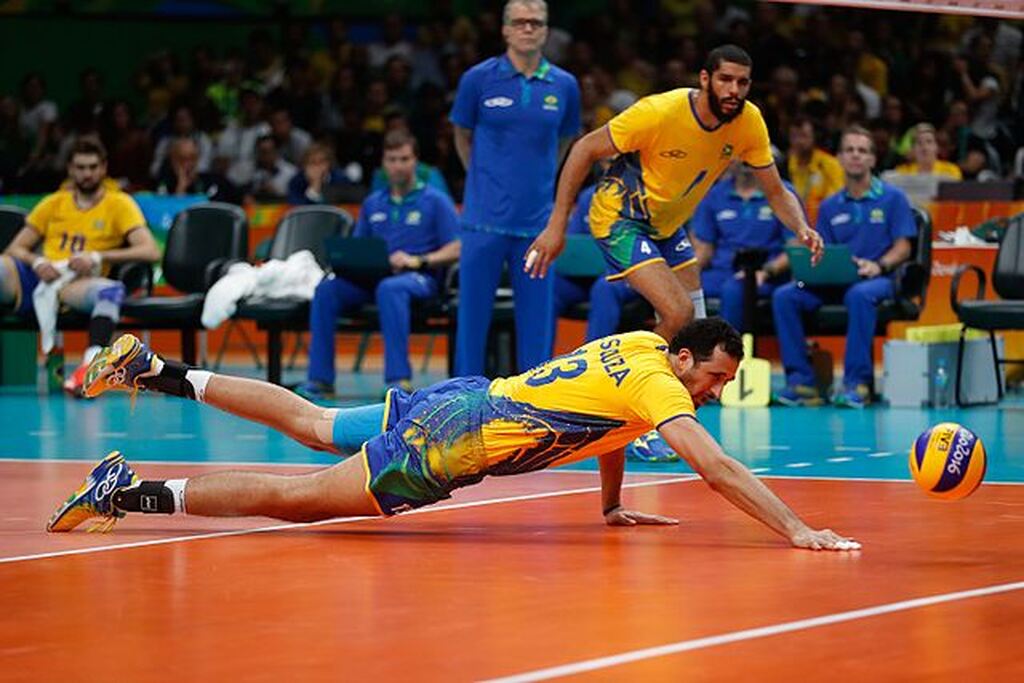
<point>726,151</point>
<point>551,103</point>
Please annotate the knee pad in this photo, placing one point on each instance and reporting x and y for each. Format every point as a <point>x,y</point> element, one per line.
<point>111,291</point>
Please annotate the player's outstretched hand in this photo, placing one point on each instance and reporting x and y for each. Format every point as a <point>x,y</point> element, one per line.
<point>622,517</point>
<point>543,252</point>
<point>822,539</point>
<point>812,240</point>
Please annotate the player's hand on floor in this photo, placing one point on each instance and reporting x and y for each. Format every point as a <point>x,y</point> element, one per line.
<point>623,517</point>
<point>823,539</point>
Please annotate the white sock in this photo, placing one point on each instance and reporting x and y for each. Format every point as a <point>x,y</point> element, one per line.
<point>198,379</point>
<point>177,487</point>
<point>90,353</point>
<point>699,309</point>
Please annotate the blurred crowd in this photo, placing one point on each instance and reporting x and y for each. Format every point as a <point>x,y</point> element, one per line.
<point>299,112</point>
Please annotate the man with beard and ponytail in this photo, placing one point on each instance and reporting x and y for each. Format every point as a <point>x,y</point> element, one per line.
<point>84,229</point>
<point>668,149</point>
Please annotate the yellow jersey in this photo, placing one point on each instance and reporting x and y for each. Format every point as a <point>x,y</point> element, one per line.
<point>587,403</point>
<point>668,160</point>
<point>67,229</point>
<point>946,169</point>
<point>822,176</point>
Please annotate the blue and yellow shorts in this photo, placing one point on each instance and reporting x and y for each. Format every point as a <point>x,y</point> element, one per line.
<point>431,445</point>
<point>631,245</point>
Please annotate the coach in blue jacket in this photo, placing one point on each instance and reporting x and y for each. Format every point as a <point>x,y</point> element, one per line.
<point>514,116</point>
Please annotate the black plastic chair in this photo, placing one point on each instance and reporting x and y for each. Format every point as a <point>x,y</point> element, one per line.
<point>12,220</point>
<point>1004,314</point>
<point>204,239</point>
<point>302,228</point>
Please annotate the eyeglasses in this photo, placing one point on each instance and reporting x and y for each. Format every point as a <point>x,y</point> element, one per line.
<point>520,24</point>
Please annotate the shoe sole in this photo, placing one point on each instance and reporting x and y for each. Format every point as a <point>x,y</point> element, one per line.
<point>83,491</point>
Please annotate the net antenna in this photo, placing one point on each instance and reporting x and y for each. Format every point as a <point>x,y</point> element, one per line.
<point>1003,9</point>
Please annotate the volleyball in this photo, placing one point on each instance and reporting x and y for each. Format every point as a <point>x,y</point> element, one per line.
<point>948,461</point>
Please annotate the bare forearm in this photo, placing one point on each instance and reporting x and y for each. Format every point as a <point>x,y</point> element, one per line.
<point>741,488</point>
<point>136,253</point>
<point>788,210</point>
<point>449,253</point>
<point>612,466</point>
<point>463,146</point>
<point>22,254</point>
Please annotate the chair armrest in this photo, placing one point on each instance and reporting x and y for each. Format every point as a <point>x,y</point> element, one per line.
<point>954,288</point>
<point>136,275</point>
<point>217,268</point>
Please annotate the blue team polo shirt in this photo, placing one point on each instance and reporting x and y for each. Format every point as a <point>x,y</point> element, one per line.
<point>869,225</point>
<point>517,122</point>
<point>726,220</point>
<point>420,222</point>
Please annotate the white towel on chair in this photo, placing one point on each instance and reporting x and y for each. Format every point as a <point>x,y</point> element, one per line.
<point>46,302</point>
<point>294,278</point>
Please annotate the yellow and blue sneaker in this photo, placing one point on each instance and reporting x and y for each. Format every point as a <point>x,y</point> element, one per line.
<point>120,366</point>
<point>95,497</point>
<point>650,448</point>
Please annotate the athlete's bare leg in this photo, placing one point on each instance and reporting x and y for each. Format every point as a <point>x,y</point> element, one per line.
<point>275,407</point>
<point>663,289</point>
<point>338,491</point>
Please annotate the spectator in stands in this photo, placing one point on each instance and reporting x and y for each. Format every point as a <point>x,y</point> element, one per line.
<point>265,64</point>
<point>90,104</point>
<point>392,43</point>
<point>183,125</point>
<point>128,145</point>
<point>736,215</point>
<point>226,94</point>
<point>814,172</point>
<point>38,114</point>
<point>291,140</point>
<point>924,155</point>
<point>83,230</point>
<point>514,117</point>
<point>236,146</point>
<point>181,175</point>
<point>40,125</point>
<point>419,225</point>
<point>874,219</point>
<point>881,135</point>
<point>272,175</point>
<point>14,147</point>
<point>298,93</point>
<point>319,180</point>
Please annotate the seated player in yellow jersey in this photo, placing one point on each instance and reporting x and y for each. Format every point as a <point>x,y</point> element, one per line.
<point>83,229</point>
<point>415,449</point>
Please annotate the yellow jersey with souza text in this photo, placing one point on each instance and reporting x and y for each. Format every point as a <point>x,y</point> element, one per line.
<point>668,161</point>
<point>587,403</point>
<point>67,229</point>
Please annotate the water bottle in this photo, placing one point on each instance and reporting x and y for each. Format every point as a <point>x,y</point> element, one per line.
<point>55,370</point>
<point>940,385</point>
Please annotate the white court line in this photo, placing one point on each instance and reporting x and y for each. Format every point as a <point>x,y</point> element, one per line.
<point>337,520</point>
<point>773,448</point>
<point>841,459</point>
<point>858,449</point>
<point>752,633</point>
<point>880,454</point>
<point>760,470</point>
<point>798,465</point>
